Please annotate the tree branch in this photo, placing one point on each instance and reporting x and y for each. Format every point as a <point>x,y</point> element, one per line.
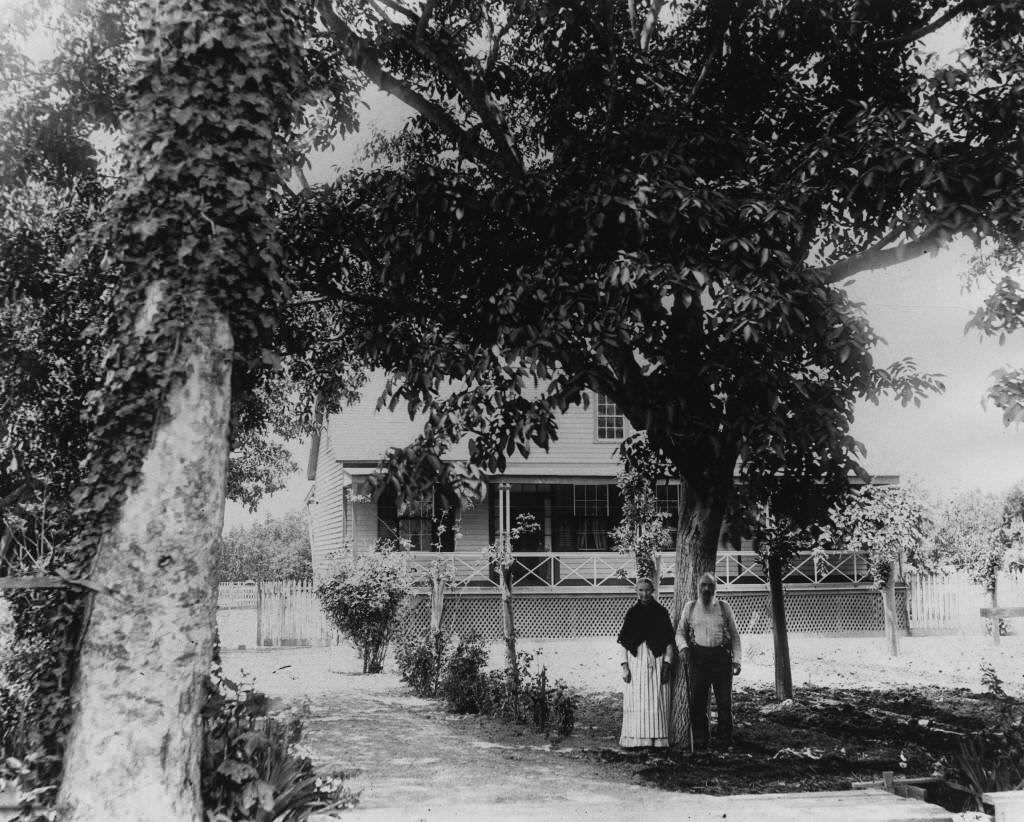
<point>406,13</point>
<point>928,28</point>
<point>421,26</point>
<point>365,57</point>
<point>633,26</point>
<point>881,258</point>
<point>652,20</point>
<point>476,94</point>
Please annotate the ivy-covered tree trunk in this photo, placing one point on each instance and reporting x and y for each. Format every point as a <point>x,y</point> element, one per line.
<point>189,231</point>
<point>701,514</point>
<point>133,751</point>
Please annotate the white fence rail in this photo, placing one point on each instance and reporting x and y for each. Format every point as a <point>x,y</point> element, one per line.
<point>601,570</point>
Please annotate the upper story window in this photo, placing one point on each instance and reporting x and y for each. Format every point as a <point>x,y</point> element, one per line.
<point>611,423</point>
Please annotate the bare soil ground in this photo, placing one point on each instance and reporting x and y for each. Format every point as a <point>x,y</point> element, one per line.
<point>856,713</point>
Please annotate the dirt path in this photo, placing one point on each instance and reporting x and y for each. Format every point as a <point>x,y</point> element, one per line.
<point>402,751</point>
<point>411,761</point>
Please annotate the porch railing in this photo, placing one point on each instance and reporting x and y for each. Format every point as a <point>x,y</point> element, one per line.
<point>577,571</point>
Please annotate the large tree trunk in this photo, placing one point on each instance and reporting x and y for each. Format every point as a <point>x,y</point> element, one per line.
<point>780,634</point>
<point>135,743</point>
<point>700,524</point>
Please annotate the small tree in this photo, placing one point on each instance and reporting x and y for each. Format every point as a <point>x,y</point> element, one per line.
<point>777,540</point>
<point>363,601</point>
<point>886,524</point>
<point>974,534</point>
<point>641,533</point>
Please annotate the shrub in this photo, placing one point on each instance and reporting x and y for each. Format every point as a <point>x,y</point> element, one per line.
<point>517,696</point>
<point>252,768</point>
<point>994,761</point>
<point>463,683</point>
<point>537,702</point>
<point>422,660</point>
<point>363,601</point>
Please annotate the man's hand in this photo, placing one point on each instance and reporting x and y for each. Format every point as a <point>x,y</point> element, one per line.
<point>625,673</point>
<point>666,672</point>
<point>735,669</point>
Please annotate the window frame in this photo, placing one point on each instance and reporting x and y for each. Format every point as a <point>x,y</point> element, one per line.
<point>601,414</point>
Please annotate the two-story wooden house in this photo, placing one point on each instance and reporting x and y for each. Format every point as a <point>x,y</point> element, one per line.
<point>569,580</point>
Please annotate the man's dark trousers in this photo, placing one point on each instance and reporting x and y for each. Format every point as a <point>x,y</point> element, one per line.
<point>710,668</point>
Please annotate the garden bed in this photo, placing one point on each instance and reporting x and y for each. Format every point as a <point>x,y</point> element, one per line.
<point>826,739</point>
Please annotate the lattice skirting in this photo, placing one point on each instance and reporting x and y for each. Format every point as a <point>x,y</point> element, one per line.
<point>561,616</point>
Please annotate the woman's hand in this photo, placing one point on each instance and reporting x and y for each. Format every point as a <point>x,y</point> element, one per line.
<point>666,671</point>
<point>625,673</point>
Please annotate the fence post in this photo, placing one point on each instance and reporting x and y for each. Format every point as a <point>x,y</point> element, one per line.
<point>259,614</point>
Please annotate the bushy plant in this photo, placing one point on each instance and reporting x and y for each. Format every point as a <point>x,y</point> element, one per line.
<point>422,660</point>
<point>363,601</point>
<point>463,684</point>
<point>545,705</point>
<point>252,767</point>
<point>522,695</point>
<point>994,760</point>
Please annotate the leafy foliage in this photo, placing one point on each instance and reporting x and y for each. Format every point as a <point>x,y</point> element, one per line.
<point>422,661</point>
<point>363,601</point>
<point>641,533</point>
<point>252,768</point>
<point>272,549</point>
<point>667,203</point>
<point>203,120</point>
<point>520,696</point>
<point>883,522</point>
<point>973,533</point>
<point>462,685</point>
<point>994,760</point>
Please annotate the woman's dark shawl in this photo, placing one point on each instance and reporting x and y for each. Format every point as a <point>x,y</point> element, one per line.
<point>646,623</point>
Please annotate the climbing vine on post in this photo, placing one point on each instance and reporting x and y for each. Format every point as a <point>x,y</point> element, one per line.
<point>503,559</point>
<point>641,533</point>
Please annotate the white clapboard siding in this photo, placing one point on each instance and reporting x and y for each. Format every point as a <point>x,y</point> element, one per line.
<point>329,512</point>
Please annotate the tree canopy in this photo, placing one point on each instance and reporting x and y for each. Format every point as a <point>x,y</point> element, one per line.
<point>660,202</point>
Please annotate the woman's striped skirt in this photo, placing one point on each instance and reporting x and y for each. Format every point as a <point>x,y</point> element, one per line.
<point>645,702</point>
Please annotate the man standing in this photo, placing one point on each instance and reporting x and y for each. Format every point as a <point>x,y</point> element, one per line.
<point>709,634</point>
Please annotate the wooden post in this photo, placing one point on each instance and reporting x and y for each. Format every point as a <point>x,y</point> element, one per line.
<point>994,601</point>
<point>437,584</point>
<point>259,614</point>
<point>780,635</point>
<point>889,613</point>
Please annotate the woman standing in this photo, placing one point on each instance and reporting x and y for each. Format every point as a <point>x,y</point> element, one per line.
<point>647,656</point>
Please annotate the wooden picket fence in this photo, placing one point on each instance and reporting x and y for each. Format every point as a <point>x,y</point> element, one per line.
<point>272,614</point>
<point>950,603</point>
